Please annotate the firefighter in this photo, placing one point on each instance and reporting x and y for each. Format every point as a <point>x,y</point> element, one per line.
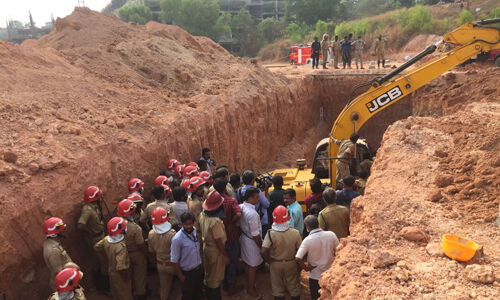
<point>197,185</point>
<point>278,249</point>
<point>315,50</point>
<point>91,222</point>
<point>67,285</point>
<point>358,46</point>
<point>53,253</point>
<point>347,151</point>
<point>325,49</point>
<point>160,194</point>
<point>135,247</point>
<point>159,242</point>
<point>113,248</point>
<point>380,51</point>
<point>336,48</point>
<point>136,188</point>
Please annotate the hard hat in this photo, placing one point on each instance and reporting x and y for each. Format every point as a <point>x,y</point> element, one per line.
<point>135,197</point>
<point>186,184</point>
<point>178,171</point>
<point>92,193</point>
<point>53,226</point>
<point>159,216</point>
<point>325,36</point>
<point>206,176</point>
<point>116,225</point>
<point>196,182</point>
<point>67,280</point>
<point>135,184</point>
<point>126,207</point>
<point>193,164</point>
<point>161,180</point>
<point>167,190</point>
<point>190,172</point>
<point>280,215</point>
<point>172,163</point>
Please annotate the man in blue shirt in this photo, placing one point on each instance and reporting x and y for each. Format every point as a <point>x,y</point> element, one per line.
<point>248,178</point>
<point>294,210</point>
<point>345,196</point>
<point>186,258</point>
<point>346,51</point>
<point>205,155</point>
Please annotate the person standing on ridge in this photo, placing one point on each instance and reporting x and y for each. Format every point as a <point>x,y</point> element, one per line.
<point>315,50</point>
<point>325,50</point>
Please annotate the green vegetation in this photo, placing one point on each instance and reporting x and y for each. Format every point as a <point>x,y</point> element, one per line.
<point>465,16</point>
<point>139,14</point>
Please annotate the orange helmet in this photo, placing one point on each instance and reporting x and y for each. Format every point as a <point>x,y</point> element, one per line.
<point>206,176</point>
<point>67,280</point>
<point>178,171</point>
<point>280,215</point>
<point>325,36</point>
<point>172,163</point>
<point>186,184</point>
<point>53,226</point>
<point>159,216</point>
<point>126,207</point>
<point>135,184</point>
<point>195,183</point>
<point>190,172</point>
<point>116,225</point>
<point>135,197</point>
<point>167,190</point>
<point>161,180</point>
<point>92,193</point>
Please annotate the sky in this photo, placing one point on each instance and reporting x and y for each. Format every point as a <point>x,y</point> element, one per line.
<point>42,9</point>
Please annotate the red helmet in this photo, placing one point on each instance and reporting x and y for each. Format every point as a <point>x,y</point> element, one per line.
<point>172,163</point>
<point>161,180</point>
<point>195,183</point>
<point>116,226</point>
<point>67,280</point>
<point>206,176</point>
<point>325,36</point>
<point>193,164</point>
<point>135,197</point>
<point>186,184</point>
<point>178,171</point>
<point>190,172</point>
<point>167,190</point>
<point>280,215</point>
<point>126,207</point>
<point>92,193</point>
<point>53,226</point>
<point>159,216</point>
<point>135,184</point>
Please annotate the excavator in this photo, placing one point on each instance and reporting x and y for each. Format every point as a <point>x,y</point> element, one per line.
<point>466,41</point>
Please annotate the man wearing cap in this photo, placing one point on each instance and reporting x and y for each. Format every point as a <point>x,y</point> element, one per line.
<point>347,151</point>
<point>53,253</point>
<point>279,248</point>
<point>158,193</point>
<point>214,238</point>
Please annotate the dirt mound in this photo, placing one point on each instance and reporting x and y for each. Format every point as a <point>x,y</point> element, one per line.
<point>432,176</point>
<point>420,42</point>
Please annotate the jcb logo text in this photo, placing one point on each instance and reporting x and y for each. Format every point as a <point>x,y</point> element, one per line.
<point>384,99</point>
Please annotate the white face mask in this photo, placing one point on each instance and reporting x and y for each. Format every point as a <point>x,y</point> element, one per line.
<point>116,238</point>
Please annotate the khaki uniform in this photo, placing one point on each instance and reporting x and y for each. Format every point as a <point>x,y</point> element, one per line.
<point>361,184</point>
<point>324,50</point>
<point>146,213</point>
<point>118,260</point>
<point>335,218</point>
<point>194,207</point>
<point>55,258</point>
<point>285,273</point>
<point>91,217</point>
<point>212,228</point>
<point>160,245</point>
<point>336,53</point>
<point>134,240</point>
<point>78,295</point>
<point>358,45</point>
<point>380,49</point>
<point>346,153</point>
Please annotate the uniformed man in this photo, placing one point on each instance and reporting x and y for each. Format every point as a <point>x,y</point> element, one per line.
<point>279,248</point>
<point>91,222</point>
<point>325,50</point>
<point>361,182</point>
<point>159,242</point>
<point>114,250</point>
<point>347,151</point>
<point>359,45</point>
<point>214,238</point>
<point>160,194</point>
<point>336,48</point>
<point>380,51</point>
<point>67,285</point>
<point>196,200</point>
<point>136,188</point>
<point>136,248</point>
<point>53,253</point>
<point>334,217</point>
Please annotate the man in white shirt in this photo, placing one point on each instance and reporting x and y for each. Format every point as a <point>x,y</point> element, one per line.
<point>251,238</point>
<point>319,246</point>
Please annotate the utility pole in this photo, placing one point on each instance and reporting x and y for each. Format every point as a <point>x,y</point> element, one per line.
<point>81,3</point>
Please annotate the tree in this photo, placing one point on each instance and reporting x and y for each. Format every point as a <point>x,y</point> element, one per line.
<point>270,29</point>
<point>465,16</point>
<point>223,27</point>
<point>139,14</point>
<point>245,32</point>
<point>310,11</point>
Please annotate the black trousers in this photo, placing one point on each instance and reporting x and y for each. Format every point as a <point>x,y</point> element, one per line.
<point>192,287</point>
<point>315,58</point>
<point>314,288</point>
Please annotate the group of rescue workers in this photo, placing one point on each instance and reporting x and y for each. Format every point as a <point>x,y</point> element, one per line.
<point>345,49</point>
<point>198,225</point>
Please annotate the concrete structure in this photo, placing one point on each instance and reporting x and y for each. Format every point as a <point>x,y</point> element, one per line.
<point>259,9</point>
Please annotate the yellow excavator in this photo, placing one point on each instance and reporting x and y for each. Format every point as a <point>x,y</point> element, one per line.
<point>467,41</point>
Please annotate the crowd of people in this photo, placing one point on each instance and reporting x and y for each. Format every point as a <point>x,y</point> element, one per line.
<point>345,49</point>
<point>200,224</point>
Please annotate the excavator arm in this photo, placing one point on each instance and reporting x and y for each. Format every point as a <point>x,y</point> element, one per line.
<point>470,39</point>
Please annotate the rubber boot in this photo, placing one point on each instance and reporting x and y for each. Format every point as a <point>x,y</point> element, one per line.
<point>383,63</point>
<point>324,66</point>
<point>378,64</point>
<point>213,294</point>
